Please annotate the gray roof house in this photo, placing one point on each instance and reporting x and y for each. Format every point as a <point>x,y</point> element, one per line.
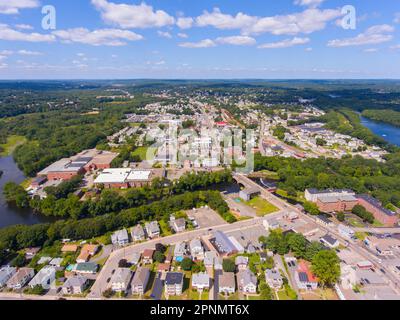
<point>120,238</point>
<point>5,274</point>
<point>21,278</point>
<point>273,278</point>
<point>330,241</point>
<point>137,233</point>
<point>75,285</point>
<point>201,281</point>
<point>247,281</point>
<point>178,225</point>
<point>226,283</point>
<point>121,279</point>
<point>152,229</point>
<point>44,278</point>
<point>180,251</point>
<point>241,262</point>
<point>140,280</point>
<point>196,249</point>
<point>211,259</point>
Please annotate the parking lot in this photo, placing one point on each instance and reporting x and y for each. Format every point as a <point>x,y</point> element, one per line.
<point>206,217</point>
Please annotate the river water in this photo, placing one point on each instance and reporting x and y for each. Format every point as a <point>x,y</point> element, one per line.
<point>10,215</point>
<point>388,132</point>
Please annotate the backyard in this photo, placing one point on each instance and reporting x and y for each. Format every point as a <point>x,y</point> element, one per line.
<point>262,206</point>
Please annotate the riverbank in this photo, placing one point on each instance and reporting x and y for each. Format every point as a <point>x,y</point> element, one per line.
<point>388,132</point>
<point>12,143</point>
<point>9,214</point>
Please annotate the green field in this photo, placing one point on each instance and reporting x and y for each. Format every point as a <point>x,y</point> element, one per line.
<point>262,206</point>
<point>142,152</point>
<point>12,143</point>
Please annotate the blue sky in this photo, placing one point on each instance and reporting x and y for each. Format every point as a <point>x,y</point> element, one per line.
<point>103,39</point>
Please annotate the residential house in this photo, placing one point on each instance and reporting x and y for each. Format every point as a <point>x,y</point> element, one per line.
<point>69,248</point>
<point>87,251</point>
<point>226,283</point>
<point>121,279</point>
<point>137,233</point>
<point>241,263</point>
<point>152,229</point>
<point>201,281</point>
<point>196,249</point>
<point>148,256</point>
<point>247,281</point>
<point>31,252</point>
<point>304,278</point>
<point>86,268</point>
<point>140,280</point>
<point>180,251</point>
<point>330,241</point>
<point>44,260</point>
<point>158,288</point>
<point>56,262</point>
<point>248,193</point>
<point>120,238</point>
<point>174,283</point>
<point>20,278</point>
<point>178,225</point>
<point>273,278</point>
<point>271,224</point>
<point>323,220</point>
<point>75,285</point>
<point>5,274</point>
<point>44,278</point>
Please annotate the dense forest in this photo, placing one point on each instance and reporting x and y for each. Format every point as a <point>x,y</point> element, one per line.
<point>387,116</point>
<point>53,135</point>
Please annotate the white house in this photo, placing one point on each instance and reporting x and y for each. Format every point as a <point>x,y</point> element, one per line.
<point>120,238</point>
<point>121,279</point>
<point>196,249</point>
<point>201,281</point>
<point>5,274</point>
<point>44,278</point>
<point>247,281</point>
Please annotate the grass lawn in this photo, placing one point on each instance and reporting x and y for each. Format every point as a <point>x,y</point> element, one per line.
<point>142,152</point>
<point>377,224</point>
<point>12,143</point>
<point>262,206</point>
<point>282,295</point>
<point>361,235</point>
<point>355,223</point>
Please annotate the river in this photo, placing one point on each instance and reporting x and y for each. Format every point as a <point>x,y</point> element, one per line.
<point>387,131</point>
<point>10,215</point>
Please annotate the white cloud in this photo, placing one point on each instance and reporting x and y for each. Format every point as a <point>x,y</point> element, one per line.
<point>132,16</point>
<point>284,43</point>
<point>308,3</point>
<point>219,20</point>
<point>100,37</point>
<point>308,21</point>
<point>29,53</point>
<point>182,35</point>
<point>13,6</point>
<point>164,34</point>
<point>395,47</point>
<point>6,52</point>
<point>6,33</point>
<point>185,22</point>
<point>396,17</point>
<point>237,40</point>
<point>206,43</point>
<point>309,49</point>
<point>23,27</point>
<point>373,35</point>
<point>371,50</point>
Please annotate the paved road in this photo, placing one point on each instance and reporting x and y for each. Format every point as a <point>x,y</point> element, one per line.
<point>378,230</point>
<point>112,263</point>
<point>356,247</point>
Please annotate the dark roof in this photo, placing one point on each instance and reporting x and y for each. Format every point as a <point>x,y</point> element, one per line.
<point>376,203</point>
<point>173,278</point>
<point>328,238</point>
<point>303,277</point>
<point>156,294</point>
<point>324,218</point>
<point>316,191</point>
<point>83,159</point>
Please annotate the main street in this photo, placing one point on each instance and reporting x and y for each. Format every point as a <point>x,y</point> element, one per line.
<point>333,231</point>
